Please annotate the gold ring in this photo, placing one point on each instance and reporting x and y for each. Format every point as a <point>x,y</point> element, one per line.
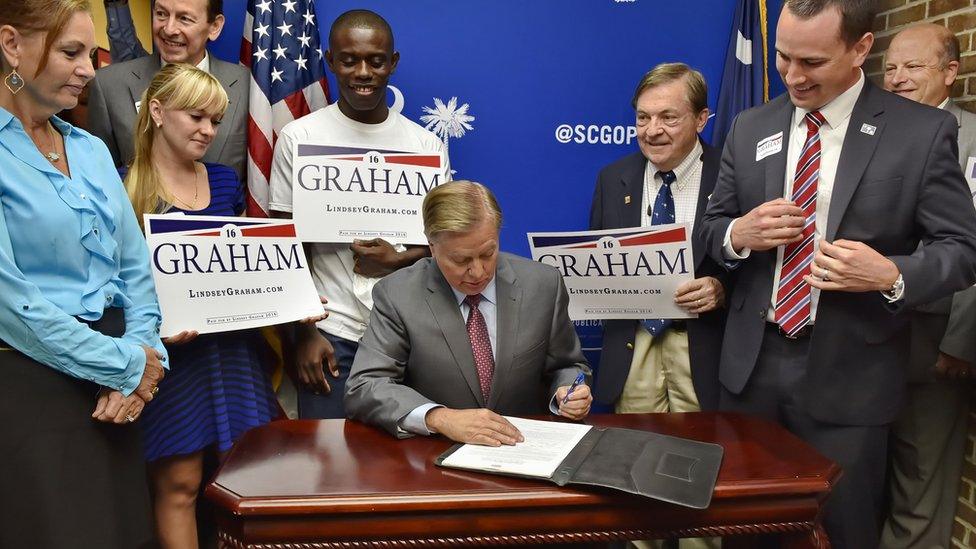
<point>154,391</point>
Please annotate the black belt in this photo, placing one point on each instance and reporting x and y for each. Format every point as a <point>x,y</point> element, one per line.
<point>802,333</point>
<point>111,323</point>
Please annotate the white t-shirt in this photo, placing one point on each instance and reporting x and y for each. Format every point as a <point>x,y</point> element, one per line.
<point>349,294</point>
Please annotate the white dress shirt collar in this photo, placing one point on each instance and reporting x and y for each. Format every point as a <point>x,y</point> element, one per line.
<point>203,65</point>
<point>488,294</point>
<point>683,170</point>
<point>839,109</point>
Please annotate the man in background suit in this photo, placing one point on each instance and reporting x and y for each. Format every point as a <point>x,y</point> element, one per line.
<point>458,340</point>
<point>822,201</point>
<point>928,438</point>
<point>667,181</point>
<point>181,30</point>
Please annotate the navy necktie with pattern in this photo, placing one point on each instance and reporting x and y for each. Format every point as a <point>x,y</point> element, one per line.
<point>662,214</point>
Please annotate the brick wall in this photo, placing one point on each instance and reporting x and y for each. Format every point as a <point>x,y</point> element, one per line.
<point>960,17</point>
<point>957,15</point>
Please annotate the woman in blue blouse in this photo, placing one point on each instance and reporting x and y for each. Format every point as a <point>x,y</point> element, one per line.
<point>80,353</point>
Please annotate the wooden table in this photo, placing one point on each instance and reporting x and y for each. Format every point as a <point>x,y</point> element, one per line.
<point>343,485</point>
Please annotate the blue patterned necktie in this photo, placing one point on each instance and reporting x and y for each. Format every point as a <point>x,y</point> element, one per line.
<point>662,214</point>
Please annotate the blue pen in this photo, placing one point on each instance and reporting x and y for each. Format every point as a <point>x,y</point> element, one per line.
<point>576,382</point>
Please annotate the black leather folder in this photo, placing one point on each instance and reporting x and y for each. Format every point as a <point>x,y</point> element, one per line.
<point>662,467</point>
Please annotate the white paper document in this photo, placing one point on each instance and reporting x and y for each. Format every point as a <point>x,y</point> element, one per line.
<point>546,445</point>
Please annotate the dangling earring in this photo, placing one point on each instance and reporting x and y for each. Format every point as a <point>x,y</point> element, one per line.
<point>14,82</point>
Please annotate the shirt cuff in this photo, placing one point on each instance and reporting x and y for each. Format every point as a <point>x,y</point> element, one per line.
<point>127,382</point>
<point>553,405</point>
<point>415,422</point>
<point>727,248</point>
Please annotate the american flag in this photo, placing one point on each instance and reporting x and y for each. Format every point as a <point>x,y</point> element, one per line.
<point>281,47</point>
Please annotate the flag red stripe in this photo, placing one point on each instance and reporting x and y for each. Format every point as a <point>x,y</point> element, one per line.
<point>427,161</point>
<point>259,149</point>
<point>297,105</point>
<point>274,230</point>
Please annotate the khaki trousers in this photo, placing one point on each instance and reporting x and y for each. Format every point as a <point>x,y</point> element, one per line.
<point>660,381</point>
<point>660,375</point>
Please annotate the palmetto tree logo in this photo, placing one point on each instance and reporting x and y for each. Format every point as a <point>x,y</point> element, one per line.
<point>447,121</point>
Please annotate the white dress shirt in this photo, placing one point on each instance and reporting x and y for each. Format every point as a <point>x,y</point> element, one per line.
<point>838,116</point>
<point>684,189</point>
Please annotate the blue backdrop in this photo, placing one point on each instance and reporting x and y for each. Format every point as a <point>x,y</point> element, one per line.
<point>549,84</point>
<point>527,69</point>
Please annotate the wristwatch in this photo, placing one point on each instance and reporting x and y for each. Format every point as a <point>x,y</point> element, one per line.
<point>894,293</point>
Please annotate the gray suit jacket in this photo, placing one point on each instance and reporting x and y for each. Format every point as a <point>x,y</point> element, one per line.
<point>118,87</point>
<point>897,185</point>
<point>948,324</point>
<point>416,349</point>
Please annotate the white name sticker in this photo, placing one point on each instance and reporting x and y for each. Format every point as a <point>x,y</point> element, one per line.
<point>868,129</point>
<point>769,146</point>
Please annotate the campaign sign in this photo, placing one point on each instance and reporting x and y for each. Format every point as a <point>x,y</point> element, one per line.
<point>217,274</point>
<point>341,194</point>
<point>620,273</point>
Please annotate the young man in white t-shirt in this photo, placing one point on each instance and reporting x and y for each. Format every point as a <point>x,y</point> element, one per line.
<point>362,57</point>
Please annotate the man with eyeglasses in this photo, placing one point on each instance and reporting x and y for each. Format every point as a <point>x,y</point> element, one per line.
<point>181,31</point>
<point>928,438</point>
<point>658,365</point>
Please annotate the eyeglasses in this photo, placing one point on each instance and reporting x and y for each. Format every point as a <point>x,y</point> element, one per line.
<point>668,119</point>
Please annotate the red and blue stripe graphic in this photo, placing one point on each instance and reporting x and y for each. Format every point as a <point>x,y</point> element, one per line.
<point>641,237</point>
<point>211,227</point>
<point>358,155</point>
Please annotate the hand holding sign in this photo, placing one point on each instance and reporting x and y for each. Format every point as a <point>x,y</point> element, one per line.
<point>375,257</point>
<point>700,295</point>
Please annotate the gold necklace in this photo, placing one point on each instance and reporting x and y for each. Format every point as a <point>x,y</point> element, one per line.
<point>52,155</point>
<point>196,191</point>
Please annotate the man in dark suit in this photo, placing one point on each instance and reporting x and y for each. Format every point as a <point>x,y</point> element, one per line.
<point>676,368</point>
<point>458,340</point>
<point>822,201</point>
<point>181,30</point>
<point>928,438</point>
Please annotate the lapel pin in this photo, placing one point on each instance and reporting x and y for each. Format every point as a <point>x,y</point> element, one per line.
<point>868,129</point>
<point>627,199</point>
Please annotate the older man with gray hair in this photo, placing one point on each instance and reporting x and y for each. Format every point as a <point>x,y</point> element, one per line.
<point>928,439</point>
<point>458,340</point>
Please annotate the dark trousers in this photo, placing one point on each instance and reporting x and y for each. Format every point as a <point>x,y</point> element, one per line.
<point>318,406</point>
<point>853,510</point>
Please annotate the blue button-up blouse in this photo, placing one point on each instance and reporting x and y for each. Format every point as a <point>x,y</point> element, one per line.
<point>71,247</point>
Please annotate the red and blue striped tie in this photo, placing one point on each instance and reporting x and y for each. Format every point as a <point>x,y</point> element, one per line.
<point>793,294</point>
